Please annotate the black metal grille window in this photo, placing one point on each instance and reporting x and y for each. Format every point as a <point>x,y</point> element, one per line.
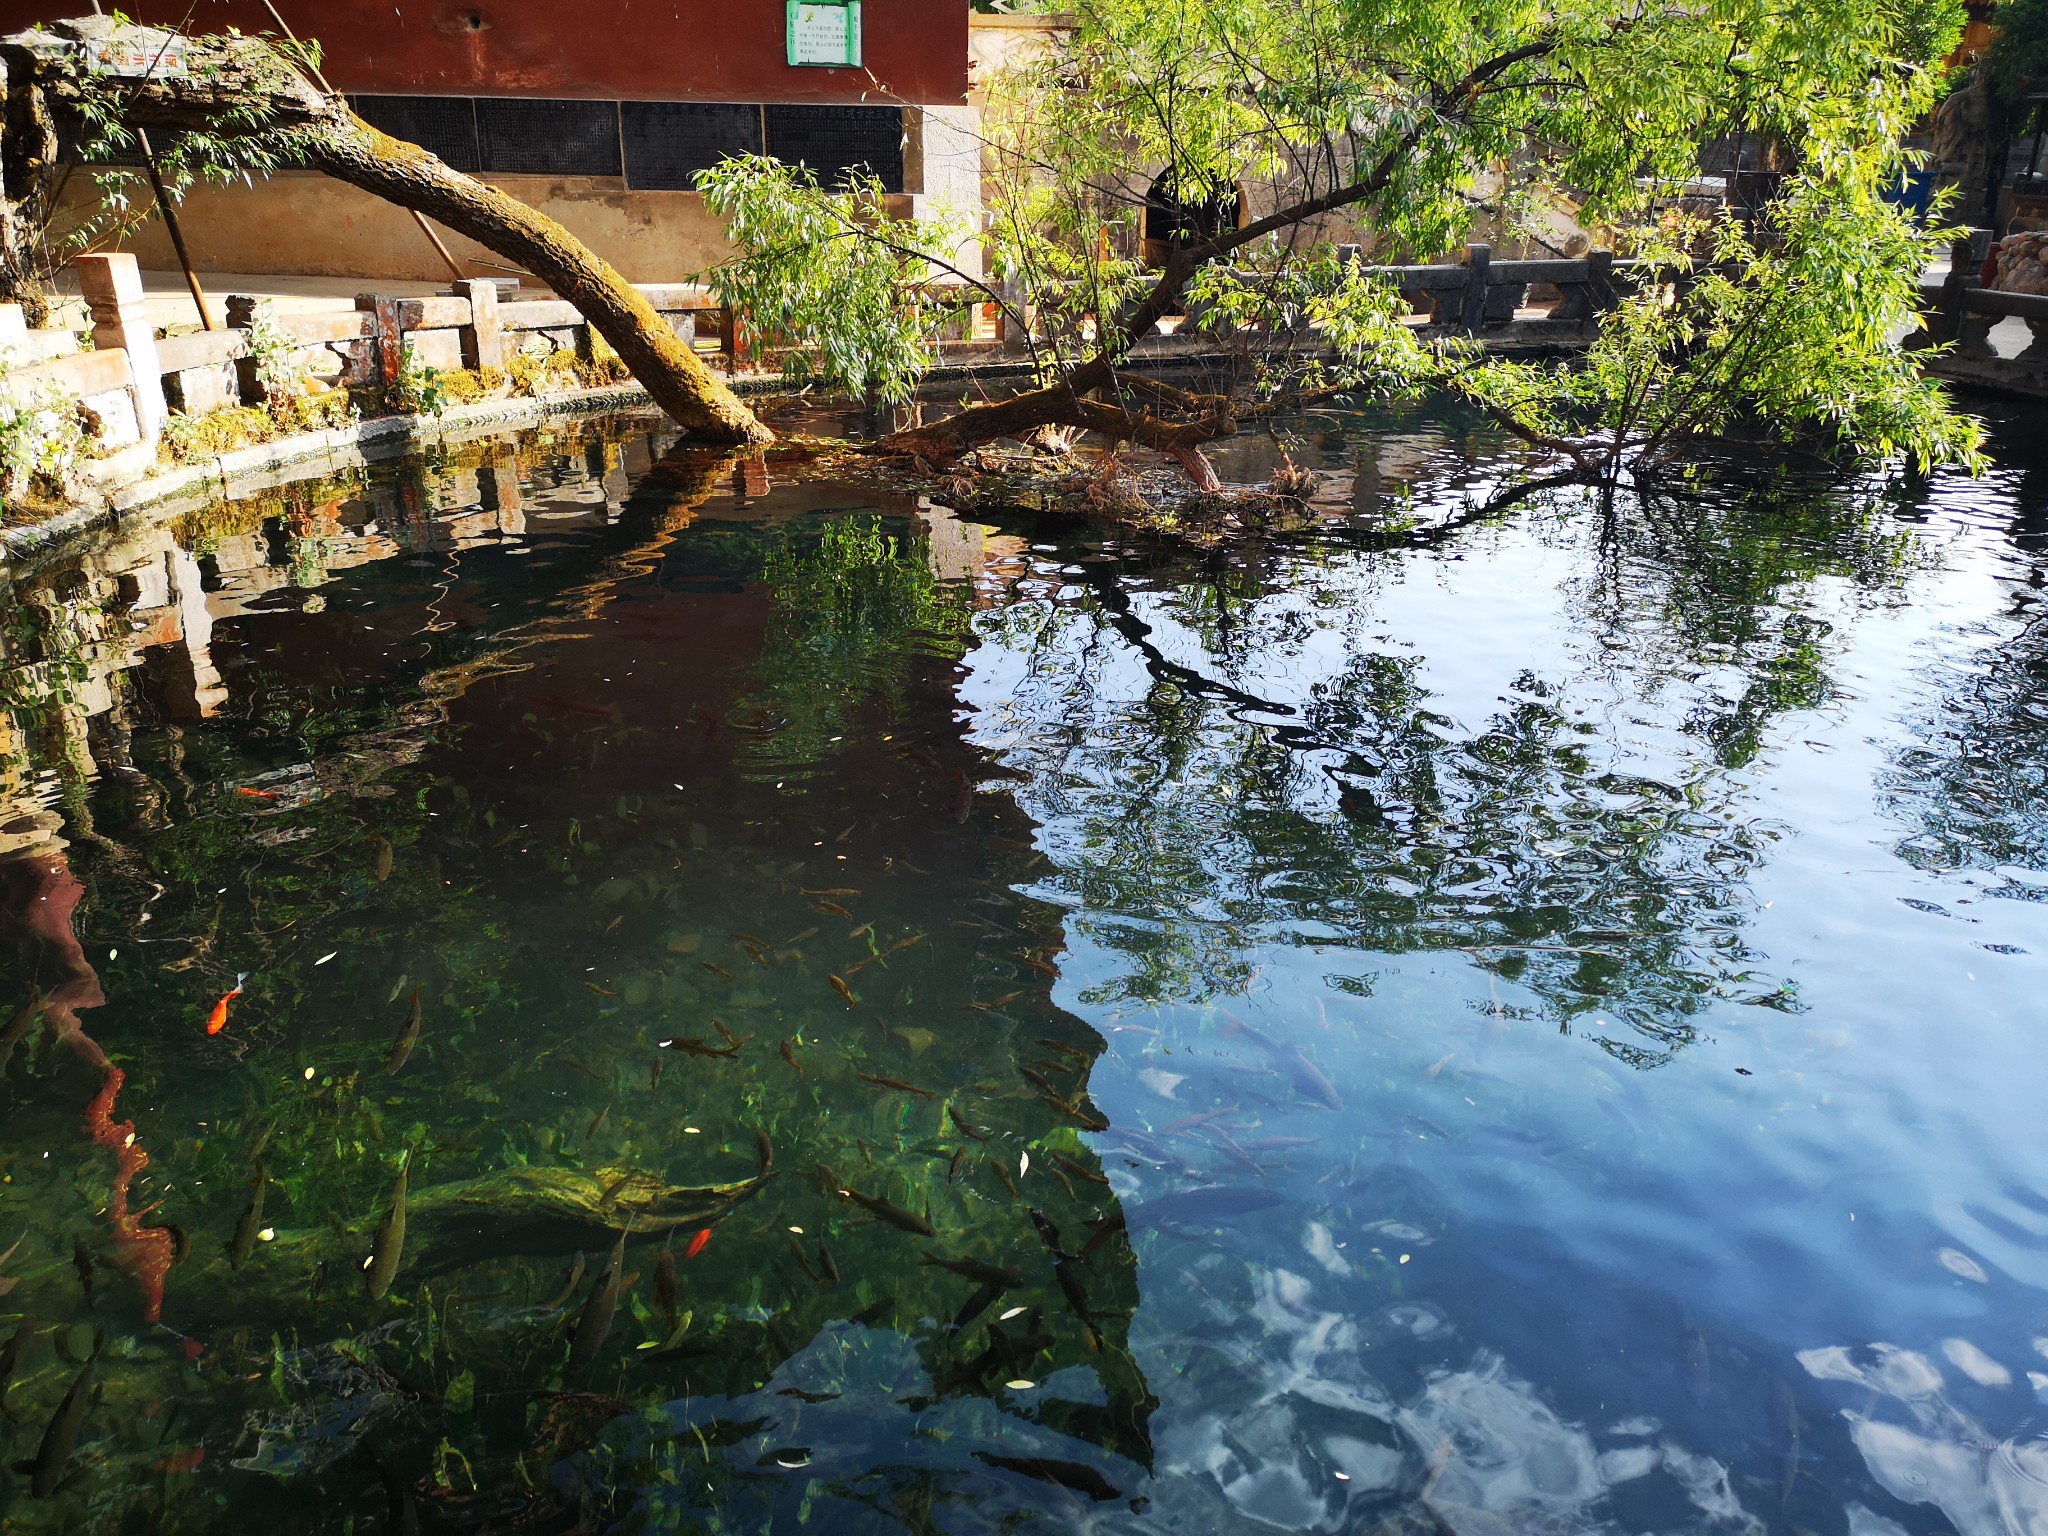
<point>656,145</point>
<point>441,125</point>
<point>668,142</point>
<point>834,140</point>
<point>520,136</point>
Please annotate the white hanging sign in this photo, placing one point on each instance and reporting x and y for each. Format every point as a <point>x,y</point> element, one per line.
<point>824,32</point>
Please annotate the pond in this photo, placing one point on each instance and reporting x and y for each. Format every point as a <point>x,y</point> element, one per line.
<point>574,985</point>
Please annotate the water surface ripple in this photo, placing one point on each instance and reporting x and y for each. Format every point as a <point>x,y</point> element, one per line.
<point>1477,1014</point>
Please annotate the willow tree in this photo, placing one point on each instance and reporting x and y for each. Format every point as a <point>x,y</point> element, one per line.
<point>1399,124</point>
<point>228,104</point>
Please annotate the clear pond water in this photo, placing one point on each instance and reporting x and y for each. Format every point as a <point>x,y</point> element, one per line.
<point>1461,1018</point>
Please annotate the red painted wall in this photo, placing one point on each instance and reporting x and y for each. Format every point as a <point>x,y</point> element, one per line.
<point>643,50</point>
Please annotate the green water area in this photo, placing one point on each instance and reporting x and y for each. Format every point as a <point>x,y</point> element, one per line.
<point>578,985</point>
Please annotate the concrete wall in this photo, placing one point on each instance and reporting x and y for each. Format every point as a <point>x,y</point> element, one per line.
<point>299,223</point>
<point>646,50</point>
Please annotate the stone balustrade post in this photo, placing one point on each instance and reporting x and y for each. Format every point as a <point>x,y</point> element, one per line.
<point>112,288</point>
<point>1478,263</point>
<point>389,342</point>
<point>483,339</point>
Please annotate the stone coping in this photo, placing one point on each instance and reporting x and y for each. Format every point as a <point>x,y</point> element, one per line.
<point>250,471</point>
<point>305,455</point>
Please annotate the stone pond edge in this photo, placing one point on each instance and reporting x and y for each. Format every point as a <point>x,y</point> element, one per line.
<point>306,455</point>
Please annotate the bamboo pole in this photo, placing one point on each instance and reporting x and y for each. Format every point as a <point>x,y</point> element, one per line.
<point>454,267</point>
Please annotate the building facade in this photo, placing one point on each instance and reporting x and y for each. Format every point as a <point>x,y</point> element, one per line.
<point>597,113</point>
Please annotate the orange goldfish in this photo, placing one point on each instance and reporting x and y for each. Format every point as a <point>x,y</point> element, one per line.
<point>697,1244</point>
<point>217,1020</point>
<point>255,794</point>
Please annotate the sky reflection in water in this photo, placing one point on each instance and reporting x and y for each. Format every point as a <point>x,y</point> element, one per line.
<point>1519,1023</point>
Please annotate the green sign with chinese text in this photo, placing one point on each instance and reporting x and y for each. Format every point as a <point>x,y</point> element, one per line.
<point>824,32</point>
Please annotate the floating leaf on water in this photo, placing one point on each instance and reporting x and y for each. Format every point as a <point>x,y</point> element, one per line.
<point>1020,1385</point>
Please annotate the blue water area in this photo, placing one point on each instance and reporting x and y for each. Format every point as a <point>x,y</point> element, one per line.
<point>578,984</point>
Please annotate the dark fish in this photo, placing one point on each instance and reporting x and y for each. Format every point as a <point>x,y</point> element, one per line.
<point>803,1262</point>
<point>654,1073</point>
<point>764,1151</point>
<point>1067,1272</point>
<point>24,1020</point>
<point>961,801</point>
<point>1002,1172</point>
<point>1037,1080</point>
<point>699,1048</point>
<point>798,938</point>
<point>665,1284</point>
<point>826,1267</point>
<point>1067,1474</point>
<point>1078,1170</point>
<point>831,909</point>
<point>1211,1207</point>
<point>1105,1228</point>
<point>845,992</point>
<point>895,1083</point>
<point>713,966</point>
<point>45,1470</point>
<point>1694,1365</point>
<point>572,1279</point>
<point>1306,1077</point>
<point>10,1358</point>
<point>807,1397</point>
<point>789,1055</point>
<point>595,1323</point>
<point>389,1246</point>
<point>953,1168</point>
<point>599,1123</point>
<point>890,1212</point>
<point>960,1121</point>
<point>408,1037</point>
<point>868,1316</point>
<point>401,1512</point>
<point>830,1182</point>
<point>977,1271</point>
<point>380,859</point>
<point>977,1304</point>
<point>244,1241</point>
<point>1783,1410</point>
<point>83,1261</point>
<point>1061,1048</point>
<point>1049,1234</point>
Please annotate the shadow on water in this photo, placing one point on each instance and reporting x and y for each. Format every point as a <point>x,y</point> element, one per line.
<point>746,1002</point>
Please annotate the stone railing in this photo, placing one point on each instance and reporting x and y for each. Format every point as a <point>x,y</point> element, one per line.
<point>114,387</point>
<point>131,380</point>
<point>473,326</point>
<point>1474,295</point>
<point>1961,313</point>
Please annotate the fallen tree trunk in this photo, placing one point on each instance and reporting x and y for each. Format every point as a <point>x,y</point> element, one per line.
<point>407,175</point>
<point>233,87</point>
